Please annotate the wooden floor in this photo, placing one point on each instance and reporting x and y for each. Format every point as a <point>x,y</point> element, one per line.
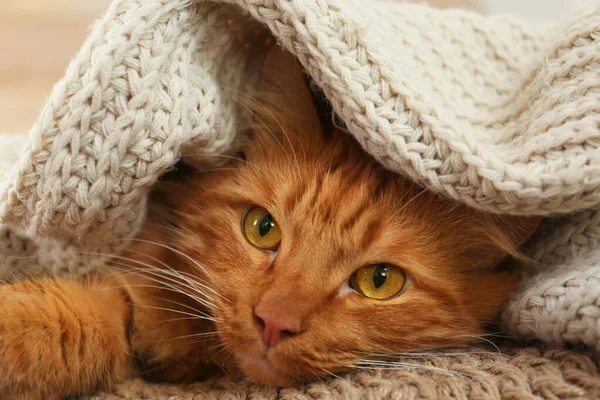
<point>37,40</point>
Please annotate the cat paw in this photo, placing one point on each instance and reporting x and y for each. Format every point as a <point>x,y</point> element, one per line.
<point>56,340</point>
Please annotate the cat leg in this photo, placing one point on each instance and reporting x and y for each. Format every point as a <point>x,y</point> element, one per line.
<point>61,337</point>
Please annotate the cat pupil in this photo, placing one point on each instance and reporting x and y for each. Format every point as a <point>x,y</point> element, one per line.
<point>265,225</point>
<point>380,276</point>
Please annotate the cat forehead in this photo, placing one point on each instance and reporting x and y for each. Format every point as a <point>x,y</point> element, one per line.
<point>346,206</point>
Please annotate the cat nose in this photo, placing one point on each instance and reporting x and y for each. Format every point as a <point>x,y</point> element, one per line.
<point>276,325</point>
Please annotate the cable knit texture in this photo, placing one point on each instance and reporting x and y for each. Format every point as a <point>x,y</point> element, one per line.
<point>493,112</point>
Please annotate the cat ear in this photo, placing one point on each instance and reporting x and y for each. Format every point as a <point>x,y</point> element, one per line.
<point>518,229</point>
<point>488,292</point>
<point>284,97</point>
<point>492,241</point>
<point>500,241</point>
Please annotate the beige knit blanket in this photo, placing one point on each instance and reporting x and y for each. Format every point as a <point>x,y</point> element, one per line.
<point>490,111</point>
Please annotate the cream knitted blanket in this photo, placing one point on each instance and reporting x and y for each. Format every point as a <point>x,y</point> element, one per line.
<point>490,111</point>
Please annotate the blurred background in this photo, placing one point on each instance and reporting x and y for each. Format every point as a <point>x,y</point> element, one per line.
<point>39,37</point>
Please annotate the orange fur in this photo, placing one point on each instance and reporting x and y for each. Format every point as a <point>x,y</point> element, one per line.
<point>59,338</point>
<point>338,210</point>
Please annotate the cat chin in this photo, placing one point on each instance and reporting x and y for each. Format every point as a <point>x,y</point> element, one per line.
<point>261,370</point>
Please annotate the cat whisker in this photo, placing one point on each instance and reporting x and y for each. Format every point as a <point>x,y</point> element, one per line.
<point>395,365</point>
<point>187,257</point>
<point>220,346</point>
<point>264,107</point>
<point>203,171</point>
<point>147,371</point>
<point>199,314</point>
<point>166,275</point>
<point>182,319</point>
<point>284,133</point>
<point>141,272</point>
<point>193,335</point>
<point>164,285</point>
<point>218,155</point>
<point>170,276</point>
<point>480,337</point>
<point>180,274</point>
<point>408,202</point>
<point>175,273</point>
<point>329,373</point>
<point>500,335</point>
<point>267,128</point>
<point>205,316</point>
<point>157,287</point>
<point>166,309</point>
<point>315,375</point>
<point>421,354</point>
<point>207,339</point>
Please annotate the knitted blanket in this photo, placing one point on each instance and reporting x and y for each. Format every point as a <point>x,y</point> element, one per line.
<point>490,111</point>
<point>519,374</point>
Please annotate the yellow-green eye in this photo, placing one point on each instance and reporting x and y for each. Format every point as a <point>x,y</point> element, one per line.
<point>260,229</point>
<point>378,281</point>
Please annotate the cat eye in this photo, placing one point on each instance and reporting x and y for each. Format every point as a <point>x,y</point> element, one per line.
<point>260,229</point>
<point>378,281</point>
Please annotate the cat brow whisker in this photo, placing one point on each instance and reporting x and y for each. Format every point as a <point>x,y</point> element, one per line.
<point>264,107</point>
<point>408,202</point>
<point>202,171</point>
<point>284,133</point>
<point>218,155</point>
<point>267,128</point>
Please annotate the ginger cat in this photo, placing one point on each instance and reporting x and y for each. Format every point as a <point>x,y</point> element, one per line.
<point>296,262</point>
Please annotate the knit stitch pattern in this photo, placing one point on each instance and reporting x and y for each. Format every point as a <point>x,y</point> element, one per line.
<point>494,112</point>
<point>518,374</point>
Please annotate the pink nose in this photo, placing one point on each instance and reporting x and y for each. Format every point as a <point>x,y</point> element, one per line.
<point>276,326</point>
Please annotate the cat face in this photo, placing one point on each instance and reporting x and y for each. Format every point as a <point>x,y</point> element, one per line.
<point>322,258</point>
